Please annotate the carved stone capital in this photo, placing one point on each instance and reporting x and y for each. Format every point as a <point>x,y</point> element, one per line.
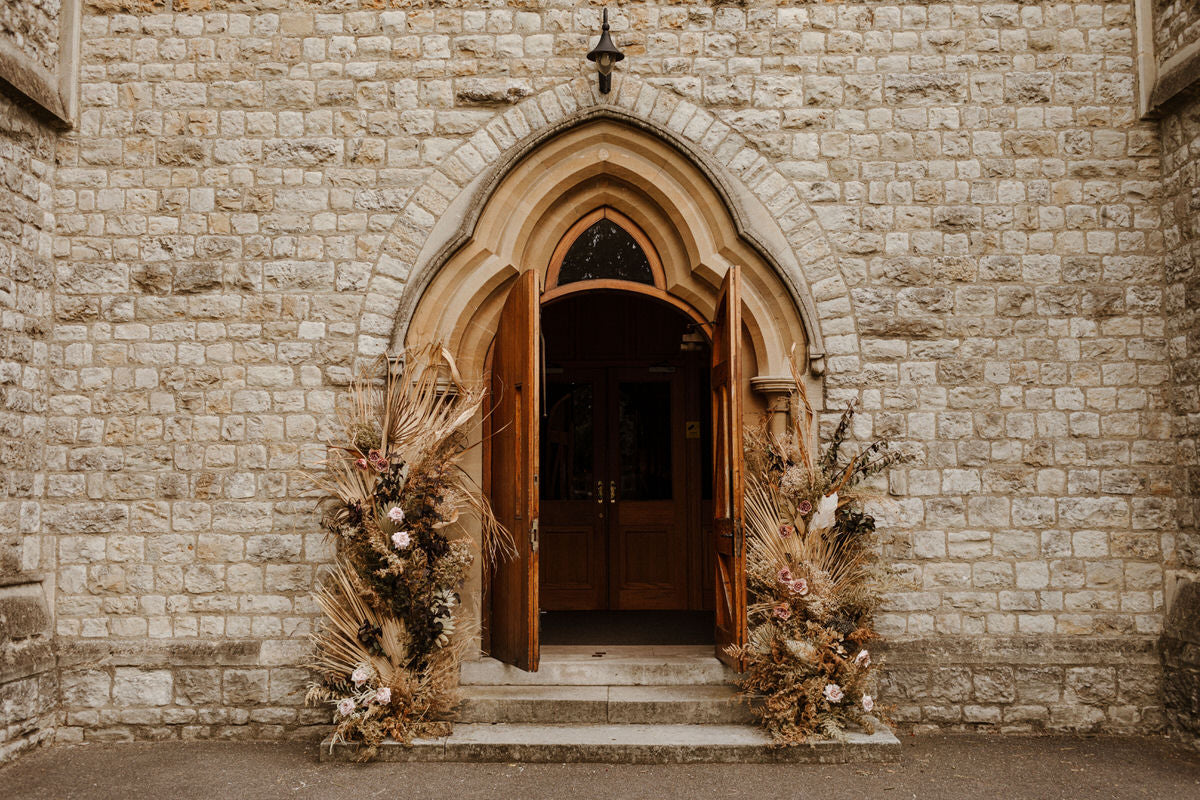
<point>772,385</point>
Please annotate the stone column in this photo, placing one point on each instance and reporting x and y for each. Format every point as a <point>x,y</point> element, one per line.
<point>778,390</point>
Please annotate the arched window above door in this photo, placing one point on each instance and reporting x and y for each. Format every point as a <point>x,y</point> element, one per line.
<point>605,246</point>
<point>605,250</point>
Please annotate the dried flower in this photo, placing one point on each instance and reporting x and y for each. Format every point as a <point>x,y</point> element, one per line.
<point>383,696</point>
<point>863,659</point>
<point>362,464</point>
<point>345,706</point>
<point>785,576</point>
<point>833,693</point>
<point>360,675</point>
<point>826,513</point>
<point>396,514</point>
<point>804,508</point>
<point>378,461</point>
<point>786,530</point>
<point>782,611</point>
<point>798,586</point>
<point>401,540</point>
<point>868,703</point>
<point>794,481</point>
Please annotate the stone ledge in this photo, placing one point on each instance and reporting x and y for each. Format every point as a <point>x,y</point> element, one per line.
<point>30,657</point>
<point>626,744</point>
<point>1022,651</point>
<point>166,653</point>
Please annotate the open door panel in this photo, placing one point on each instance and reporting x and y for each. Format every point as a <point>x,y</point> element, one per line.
<point>728,470</point>
<point>513,469</point>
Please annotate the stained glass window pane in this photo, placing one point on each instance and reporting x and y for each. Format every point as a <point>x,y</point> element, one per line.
<point>605,250</point>
<point>568,452</point>
<point>644,425</point>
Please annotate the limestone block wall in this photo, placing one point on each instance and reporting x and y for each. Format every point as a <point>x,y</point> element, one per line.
<point>32,28</point>
<point>1176,24</point>
<point>28,678</point>
<point>249,186</point>
<point>1181,190</point>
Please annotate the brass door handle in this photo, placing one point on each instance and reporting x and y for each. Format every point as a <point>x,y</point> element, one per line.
<point>600,492</point>
<point>612,491</point>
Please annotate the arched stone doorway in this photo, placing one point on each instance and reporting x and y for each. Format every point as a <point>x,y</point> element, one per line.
<point>485,300</point>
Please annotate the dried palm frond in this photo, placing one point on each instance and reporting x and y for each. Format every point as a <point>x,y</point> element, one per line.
<point>409,411</point>
<point>338,642</point>
<point>822,549</point>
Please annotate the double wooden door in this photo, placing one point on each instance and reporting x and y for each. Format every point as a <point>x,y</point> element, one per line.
<point>614,500</point>
<point>512,481</point>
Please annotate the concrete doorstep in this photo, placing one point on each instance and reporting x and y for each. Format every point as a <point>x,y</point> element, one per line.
<point>626,744</point>
<point>620,705</point>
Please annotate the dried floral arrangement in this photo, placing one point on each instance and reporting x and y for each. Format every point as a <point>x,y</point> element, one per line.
<point>813,578</point>
<point>393,497</point>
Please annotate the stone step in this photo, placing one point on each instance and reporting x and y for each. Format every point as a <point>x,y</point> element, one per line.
<point>636,705</point>
<point>601,666</point>
<point>628,744</point>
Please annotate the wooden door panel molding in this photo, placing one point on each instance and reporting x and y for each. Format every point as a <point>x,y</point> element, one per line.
<point>514,422</point>
<point>728,470</point>
<point>650,532</point>
<point>572,523</point>
<point>571,569</point>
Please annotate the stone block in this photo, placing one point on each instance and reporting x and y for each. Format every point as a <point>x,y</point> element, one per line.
<point>198,686</point>
<point>136,687</point>
<point>1092,684</point>
<point>87,688</point>
<point>243,687</point>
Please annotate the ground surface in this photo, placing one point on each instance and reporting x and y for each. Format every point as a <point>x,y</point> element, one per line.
<point>934,768</point>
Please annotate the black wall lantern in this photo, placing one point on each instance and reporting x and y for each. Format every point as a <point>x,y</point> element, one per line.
<point>606,55</point>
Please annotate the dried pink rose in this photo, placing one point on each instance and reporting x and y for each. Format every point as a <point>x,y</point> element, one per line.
<point>785,576</point>
<point>798,586</point>
<point>396,514</point>
<point>785,531</point>
<point>863,659</point>
<point>868,703</point>
<point>383,696</point>
<point>782,611</point>
<point>833,693</point>
<point>360,676</point>
<point>804,507</point>
<point>362,464</point>
<point>401,540</point>
<point>345,706</point>
<point>377,461</point>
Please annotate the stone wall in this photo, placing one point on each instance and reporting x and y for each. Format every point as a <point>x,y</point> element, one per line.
<point>1181,190</point>
<point>996,303</point>
<point>1176,24</point>
<point>32,27</point>
<point>28,680</point>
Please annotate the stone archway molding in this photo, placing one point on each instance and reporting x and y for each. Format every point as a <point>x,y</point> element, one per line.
<point>763,206</point>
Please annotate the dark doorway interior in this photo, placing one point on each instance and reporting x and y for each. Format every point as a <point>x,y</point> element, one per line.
<point>622,628</point>
<point>625,473</point>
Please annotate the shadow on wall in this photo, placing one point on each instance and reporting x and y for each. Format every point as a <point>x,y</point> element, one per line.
<point>1180,650</point>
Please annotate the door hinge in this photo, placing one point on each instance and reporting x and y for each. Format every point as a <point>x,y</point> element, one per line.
<point>533,536</point>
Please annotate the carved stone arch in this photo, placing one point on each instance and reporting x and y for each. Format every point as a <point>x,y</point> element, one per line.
<point>642,142</point>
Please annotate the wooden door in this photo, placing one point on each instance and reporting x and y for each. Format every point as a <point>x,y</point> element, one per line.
<point>573,555</point>
<point>728,470</point>
<point>514,418</point>
<point>647,489</point>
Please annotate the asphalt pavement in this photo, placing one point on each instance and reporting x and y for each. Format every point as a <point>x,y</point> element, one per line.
<point>976,767</point>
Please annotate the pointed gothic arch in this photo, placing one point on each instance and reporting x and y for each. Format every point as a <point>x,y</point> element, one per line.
<point>518,218</point>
